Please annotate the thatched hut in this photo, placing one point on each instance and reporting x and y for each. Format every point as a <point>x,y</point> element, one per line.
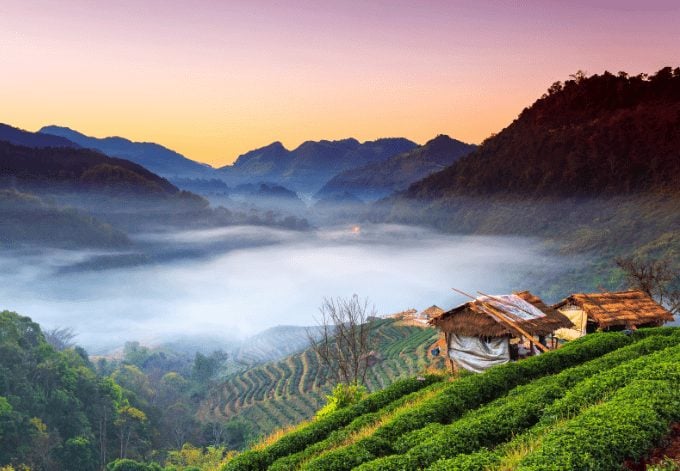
<point>610,311</point>
<point>429,313</point>
<point>478,333</point>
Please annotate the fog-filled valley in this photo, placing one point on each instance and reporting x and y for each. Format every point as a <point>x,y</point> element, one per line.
<point>230,282</point>
<point>159,313</point>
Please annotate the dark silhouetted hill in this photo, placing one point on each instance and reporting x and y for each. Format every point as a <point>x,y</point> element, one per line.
<point>600,135</point>
<point>31,139</point>
<point>380,179</point>
<point>158,159</point>
<point>76,169</point>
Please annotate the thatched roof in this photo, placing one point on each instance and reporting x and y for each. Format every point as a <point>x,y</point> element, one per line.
<point>627,308</point>
<point>524,309</point>
<point>431,312</point>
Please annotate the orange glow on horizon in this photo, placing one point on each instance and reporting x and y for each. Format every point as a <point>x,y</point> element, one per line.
<point>213,80</point>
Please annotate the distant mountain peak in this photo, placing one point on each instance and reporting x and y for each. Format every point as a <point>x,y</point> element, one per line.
<point>21,137</point>
<point>155,157</point>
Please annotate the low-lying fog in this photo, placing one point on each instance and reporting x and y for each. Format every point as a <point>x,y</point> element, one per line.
<point>238,281</point>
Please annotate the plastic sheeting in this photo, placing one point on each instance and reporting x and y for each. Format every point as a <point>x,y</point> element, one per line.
<point>477,354</point>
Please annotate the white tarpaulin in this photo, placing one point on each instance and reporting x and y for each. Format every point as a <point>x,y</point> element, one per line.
<point>513,304</point>
<point>477,354</point>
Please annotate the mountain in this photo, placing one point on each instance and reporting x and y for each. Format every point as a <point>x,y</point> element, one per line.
<point>377,180</point>
<point>266,161</point>
<point>20,137</point>
<point>599,402</point>
<point>308,167</point>
<point>72,169</point>
<point>158,159</point>
<point>600,135</point>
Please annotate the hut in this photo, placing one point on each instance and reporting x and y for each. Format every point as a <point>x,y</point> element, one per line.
<point>609,311</point>
<point>425,316</point>
<point>479,333</point>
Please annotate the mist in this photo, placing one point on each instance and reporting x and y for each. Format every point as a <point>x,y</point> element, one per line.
<point>232,282</point>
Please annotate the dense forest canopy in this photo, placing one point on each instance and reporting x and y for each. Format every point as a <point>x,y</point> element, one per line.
<point>598,135</point>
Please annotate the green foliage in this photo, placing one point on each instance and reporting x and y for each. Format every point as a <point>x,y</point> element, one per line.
<point>527,402</point>
<point>599,439</point>
<point>77,454</point>
<point>132,465</point>
<point>321,428</point>
<point>342,396</point>
<point>470,392</point>
<point>499,420</point>
<point>282,393</point>
<point>50,400</point>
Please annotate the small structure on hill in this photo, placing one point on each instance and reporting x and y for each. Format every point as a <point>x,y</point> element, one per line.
<point>407,314</point>
<point>479,333</point>
<point>609,311</point>
<point>429,313</point>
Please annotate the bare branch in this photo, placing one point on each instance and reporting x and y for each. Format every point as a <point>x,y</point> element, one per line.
<point>345,340</point>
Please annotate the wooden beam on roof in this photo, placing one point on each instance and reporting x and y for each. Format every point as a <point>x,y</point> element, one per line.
<point>502,319</point>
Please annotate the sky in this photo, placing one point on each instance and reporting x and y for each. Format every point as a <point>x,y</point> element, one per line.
<point>214,79</point>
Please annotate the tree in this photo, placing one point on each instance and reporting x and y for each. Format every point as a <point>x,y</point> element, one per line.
<point>60,338</point>
<point>657,278</point>
<point>344,341</point>
<point>128,421</point>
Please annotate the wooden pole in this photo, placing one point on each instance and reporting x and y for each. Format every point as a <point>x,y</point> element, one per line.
<point>501,318</point>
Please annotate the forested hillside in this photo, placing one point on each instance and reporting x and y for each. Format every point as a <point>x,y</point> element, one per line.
<point>26,218</point>
<point>77,169</point>
<point>592,168</point>
<point>595,403</point>
<point>599,135</point>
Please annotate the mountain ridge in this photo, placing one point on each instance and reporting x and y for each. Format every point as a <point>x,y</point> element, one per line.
<point>603,134</point>
<point>155,157</point>
<point>377,180</point>
<point>307,167</point>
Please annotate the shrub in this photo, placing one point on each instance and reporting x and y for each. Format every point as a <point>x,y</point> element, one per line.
<point>298,440</point>
<point>342,396</point>
<point>465,394</point>
<point>599,439</point>
<point>514,413</point>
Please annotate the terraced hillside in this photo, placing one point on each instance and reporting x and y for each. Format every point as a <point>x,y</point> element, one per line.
<point>281,393</point>
<point>593,404</point>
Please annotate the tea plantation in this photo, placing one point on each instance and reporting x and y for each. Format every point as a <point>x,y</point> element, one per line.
<point>590,405</point>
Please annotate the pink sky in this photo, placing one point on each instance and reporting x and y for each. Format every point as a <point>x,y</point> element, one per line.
<point>213,79</point>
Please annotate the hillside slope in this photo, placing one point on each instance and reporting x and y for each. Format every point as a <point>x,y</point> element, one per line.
<point>599,135</point>
<point>377,180</point>
<point>155,157</point>
<point>25,218</point>
<point>284,392</point>
<point>592,404</point>
<point>20,137</point>
<point>77,169</point>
